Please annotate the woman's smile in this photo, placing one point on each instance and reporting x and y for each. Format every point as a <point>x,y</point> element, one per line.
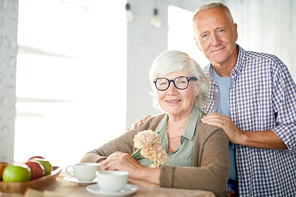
<point>173,101</point>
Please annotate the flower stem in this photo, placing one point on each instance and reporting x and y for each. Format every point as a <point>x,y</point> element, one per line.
<point>137,155</point>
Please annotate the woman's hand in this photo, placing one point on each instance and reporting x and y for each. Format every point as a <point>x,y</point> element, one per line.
<point>123,162</point>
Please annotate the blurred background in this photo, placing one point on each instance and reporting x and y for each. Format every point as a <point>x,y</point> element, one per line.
<point>74,73</point>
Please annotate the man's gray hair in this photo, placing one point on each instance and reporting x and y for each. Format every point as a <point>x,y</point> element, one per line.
<point>211,6</point>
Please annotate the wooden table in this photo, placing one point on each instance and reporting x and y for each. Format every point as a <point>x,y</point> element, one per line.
<point>145,189</point>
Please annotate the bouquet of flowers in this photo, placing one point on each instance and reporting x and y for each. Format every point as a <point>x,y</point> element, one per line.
<point>148,145</point>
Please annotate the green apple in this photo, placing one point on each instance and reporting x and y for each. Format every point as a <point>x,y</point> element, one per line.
<point>46,165</point>
<point>16,173</point>
<point>2,167</point>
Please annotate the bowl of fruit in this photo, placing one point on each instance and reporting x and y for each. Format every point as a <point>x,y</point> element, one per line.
<point>36,173</point>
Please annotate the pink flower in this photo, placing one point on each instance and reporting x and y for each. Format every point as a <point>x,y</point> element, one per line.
<point>146,138</point>
<point>149,144</point>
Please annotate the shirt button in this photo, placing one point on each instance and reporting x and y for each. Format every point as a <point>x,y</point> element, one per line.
<point>216,90</point>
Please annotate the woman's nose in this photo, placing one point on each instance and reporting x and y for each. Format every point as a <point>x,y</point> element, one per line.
<point>171,89</point>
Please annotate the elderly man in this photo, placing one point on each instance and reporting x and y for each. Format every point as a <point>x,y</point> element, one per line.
<point>252,96</point>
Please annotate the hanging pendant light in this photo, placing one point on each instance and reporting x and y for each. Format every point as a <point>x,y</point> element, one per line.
<point>129,14</point>
<point>155,20</point>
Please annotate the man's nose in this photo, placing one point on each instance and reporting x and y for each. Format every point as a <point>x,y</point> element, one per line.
<point>215,40</point>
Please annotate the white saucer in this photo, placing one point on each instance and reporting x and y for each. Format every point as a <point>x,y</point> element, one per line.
<point>127,190</point>
<point>75,180</point>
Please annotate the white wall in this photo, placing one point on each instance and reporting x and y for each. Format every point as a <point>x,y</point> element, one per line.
<point>8,52</point>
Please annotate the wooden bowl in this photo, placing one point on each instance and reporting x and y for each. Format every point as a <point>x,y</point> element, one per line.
<point>21,187</point>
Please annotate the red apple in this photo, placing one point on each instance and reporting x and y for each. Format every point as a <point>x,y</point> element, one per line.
<point>40,157</point>
<point>2,167</point>
<point>37,170</point>
<point>46,164</point>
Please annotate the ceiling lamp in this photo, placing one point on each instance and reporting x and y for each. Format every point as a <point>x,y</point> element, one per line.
<point>155,20</point>
<point>129,14</point>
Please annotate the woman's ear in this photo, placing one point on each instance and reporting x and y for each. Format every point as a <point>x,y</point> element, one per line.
<point>198,85</point>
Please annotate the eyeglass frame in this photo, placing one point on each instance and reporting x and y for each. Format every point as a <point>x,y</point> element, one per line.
<point>173,80</point>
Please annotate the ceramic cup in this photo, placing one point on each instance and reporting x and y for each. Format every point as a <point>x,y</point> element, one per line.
<point>84,171</point>
<point>111,181</point>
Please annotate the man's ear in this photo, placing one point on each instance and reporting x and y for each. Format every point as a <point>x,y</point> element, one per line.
<point>235,31</point>
<point>196,43</point>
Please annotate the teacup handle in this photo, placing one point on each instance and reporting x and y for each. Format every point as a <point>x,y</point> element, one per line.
<point>70,166</point>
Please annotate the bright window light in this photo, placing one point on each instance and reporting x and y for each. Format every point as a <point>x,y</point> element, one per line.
<point>70,83</point>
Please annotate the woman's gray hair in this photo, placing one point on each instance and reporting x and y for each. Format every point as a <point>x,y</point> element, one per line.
<point>171,61</point>
<point>211,6</point>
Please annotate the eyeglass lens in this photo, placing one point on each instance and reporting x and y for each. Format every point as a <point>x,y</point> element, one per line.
<point>179,82</point>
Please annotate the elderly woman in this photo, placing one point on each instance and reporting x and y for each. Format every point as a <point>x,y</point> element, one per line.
<point>197,153</point>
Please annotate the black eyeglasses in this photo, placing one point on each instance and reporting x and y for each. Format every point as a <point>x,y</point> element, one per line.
<point>180,82</point>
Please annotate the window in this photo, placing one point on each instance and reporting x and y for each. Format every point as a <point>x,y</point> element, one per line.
<point>70,77</point>
<point>181,34</point>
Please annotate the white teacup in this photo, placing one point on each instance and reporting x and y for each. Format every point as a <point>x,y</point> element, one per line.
<point>111,181</point>
<point>84,171</point>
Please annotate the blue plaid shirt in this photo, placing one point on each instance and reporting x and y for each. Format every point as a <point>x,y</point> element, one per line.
<point>262,96</point>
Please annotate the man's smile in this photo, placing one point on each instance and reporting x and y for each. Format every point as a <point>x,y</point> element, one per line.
<point>218,50</point>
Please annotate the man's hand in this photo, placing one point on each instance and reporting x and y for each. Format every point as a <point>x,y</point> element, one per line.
<point>257,139</point>
<point>216,119</point>
<point>134,126</point>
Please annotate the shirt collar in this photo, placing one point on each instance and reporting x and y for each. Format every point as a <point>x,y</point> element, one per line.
<point>191,124</point>
<point>239,63</point>
<point>190,127</point>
